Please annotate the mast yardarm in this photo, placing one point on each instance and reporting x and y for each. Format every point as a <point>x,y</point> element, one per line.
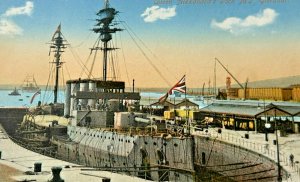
<point>105,29</point>
<point>58,46</point>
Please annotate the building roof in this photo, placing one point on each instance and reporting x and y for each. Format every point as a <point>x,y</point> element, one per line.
<point>187,102</point>
<point>166,103</point>
<point>232,109</point>
<point>251,109</point>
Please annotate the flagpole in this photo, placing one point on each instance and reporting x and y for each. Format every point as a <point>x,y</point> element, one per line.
<point>186,112</point>
<point>174,101</point>
<point>180,87</point>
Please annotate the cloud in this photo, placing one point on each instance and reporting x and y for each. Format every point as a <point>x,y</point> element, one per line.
<point>238,25</point>
<point>8,27</point>
<point>23,10</point>
<point>155,13</point>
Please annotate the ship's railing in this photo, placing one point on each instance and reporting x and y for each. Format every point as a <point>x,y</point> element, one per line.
<point>149,130</point>
<point>262,147</point>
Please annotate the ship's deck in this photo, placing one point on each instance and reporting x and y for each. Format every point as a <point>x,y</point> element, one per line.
<point>46,120</point>
<point>17,160</point>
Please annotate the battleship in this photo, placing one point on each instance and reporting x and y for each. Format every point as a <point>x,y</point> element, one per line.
<point>100,126</point>
<point>104,129</point>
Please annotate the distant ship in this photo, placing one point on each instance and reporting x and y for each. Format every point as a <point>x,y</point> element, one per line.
<point>29,84</point>
<point>14,92</point>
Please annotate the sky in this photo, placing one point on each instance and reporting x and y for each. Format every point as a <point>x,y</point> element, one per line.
<point>254,39</point>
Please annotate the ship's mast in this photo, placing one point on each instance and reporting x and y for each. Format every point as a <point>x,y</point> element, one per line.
<point>58,45</point>
<point>103,27</point>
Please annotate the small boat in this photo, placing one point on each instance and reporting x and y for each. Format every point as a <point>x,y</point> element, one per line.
<point>14,92</point>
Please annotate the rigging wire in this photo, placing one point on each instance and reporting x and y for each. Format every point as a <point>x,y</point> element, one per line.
<point>51,86</point>
<point>112,62</point>
<point>48,81</point>
<point>151,52</point>
<point>124,61</point>
<point>78,59</point>
<point>95,56</point>
<point>82,65</point>
<point>145,55</point>
<point>63,81</point>
<point>68,72</point>
<point>112,73</point>
<point>116,63</point>
<point>81,43</point>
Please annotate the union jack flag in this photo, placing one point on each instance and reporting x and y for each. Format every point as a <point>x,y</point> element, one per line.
<point>179,86</point>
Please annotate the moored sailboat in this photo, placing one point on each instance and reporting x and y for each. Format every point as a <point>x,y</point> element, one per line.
<point>29,84</point>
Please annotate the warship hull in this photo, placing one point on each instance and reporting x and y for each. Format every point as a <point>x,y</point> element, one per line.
<point>158,158</point>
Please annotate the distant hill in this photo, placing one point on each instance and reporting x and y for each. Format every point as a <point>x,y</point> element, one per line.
<point>276,82</point>
<point>153,89</point>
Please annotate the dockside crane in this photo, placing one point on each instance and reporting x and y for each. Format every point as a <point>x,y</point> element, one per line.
<point>243,87</point>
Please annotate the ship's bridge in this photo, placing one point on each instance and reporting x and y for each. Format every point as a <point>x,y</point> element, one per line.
<point>97,95</point>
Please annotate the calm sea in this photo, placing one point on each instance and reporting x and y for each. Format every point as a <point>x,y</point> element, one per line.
<point>46,97</point>
<point>24,99</point>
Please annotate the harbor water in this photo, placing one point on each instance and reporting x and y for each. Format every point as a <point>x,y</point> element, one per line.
<point>24,99</point>
<point>46,97</point>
